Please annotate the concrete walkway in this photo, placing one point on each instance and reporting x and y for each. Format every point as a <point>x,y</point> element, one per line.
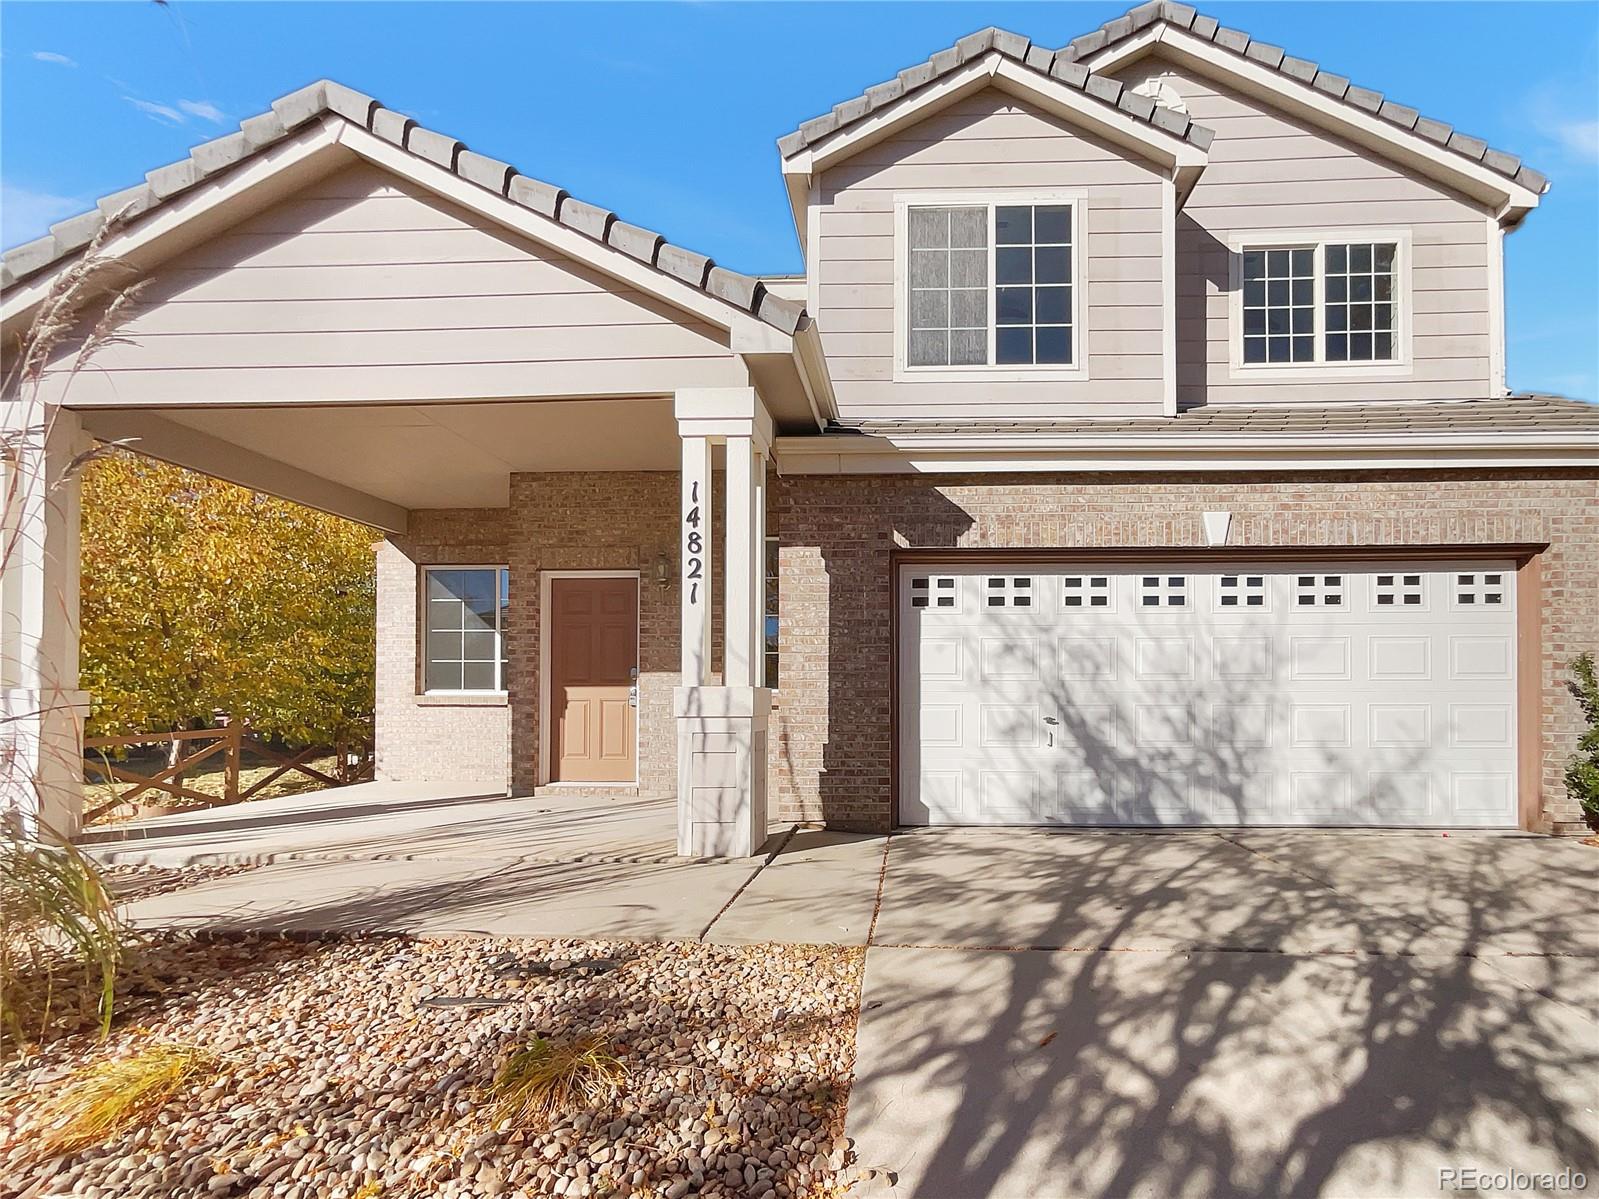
<point>434,821</point>
<point>441,860</point>
<point>1066,1014</point>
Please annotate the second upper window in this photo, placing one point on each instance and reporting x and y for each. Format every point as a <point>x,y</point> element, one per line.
<point>1326,303</point>
<point>991,285</point>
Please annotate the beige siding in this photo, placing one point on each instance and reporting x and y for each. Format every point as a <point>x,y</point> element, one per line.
<point>990,142</point>
<point>365,287</point>
<point>1268,172</point>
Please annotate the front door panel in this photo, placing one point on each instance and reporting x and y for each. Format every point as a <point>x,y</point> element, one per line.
<point>593,669</point>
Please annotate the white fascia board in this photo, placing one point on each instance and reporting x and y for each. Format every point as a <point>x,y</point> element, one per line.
<point>1301,99</point>
<point>318,139</point>
<point>749,333</point>
<point>149,433</point>
<point>947,455</point>
<point>995,70</point>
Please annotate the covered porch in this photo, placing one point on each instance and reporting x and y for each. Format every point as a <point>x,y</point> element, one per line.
<point>695,705</point>
<point>496,378</point>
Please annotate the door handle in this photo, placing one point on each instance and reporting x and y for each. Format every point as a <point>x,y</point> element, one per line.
<point>1049,733</point>
<point>632,696</point>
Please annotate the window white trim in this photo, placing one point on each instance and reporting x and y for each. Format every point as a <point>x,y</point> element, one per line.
<point>422,630</point>
<point>545,757</point>
<point>1401,366</point>
<point>990,199</point>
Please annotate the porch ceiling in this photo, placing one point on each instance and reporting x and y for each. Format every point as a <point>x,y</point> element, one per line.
<point>401,456</point>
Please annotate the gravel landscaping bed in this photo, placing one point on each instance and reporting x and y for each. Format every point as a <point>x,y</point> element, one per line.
<point>356,1068</point>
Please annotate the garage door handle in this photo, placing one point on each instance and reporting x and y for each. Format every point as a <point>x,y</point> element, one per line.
<point>1049,737</point>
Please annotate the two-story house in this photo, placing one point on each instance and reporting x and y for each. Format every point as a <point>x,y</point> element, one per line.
<point>1135,450</point>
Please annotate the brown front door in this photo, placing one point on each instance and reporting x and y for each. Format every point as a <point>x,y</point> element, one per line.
<point>593,668</point>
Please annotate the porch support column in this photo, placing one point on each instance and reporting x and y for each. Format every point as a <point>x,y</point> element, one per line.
<point>41,709</point>
<point>721,742</point>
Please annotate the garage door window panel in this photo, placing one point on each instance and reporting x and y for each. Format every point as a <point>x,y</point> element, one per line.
<point>1480,590</point>
<point>1242,591</point>
<point>1399,590</point>
<point>1087,591</point>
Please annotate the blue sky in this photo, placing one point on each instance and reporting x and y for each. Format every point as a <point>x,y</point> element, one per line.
<point>668,112</point>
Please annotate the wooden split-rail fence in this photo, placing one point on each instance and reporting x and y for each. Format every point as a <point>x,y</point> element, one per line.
<point>231,741</point>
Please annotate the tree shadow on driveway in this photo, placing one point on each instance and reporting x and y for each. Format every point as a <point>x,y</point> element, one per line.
<point>1213,1017</point>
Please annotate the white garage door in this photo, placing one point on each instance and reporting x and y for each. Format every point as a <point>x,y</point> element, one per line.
<point>1170,694</point>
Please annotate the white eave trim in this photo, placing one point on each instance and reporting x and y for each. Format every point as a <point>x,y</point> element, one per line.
<point>995,70</point>
<point>1511,199</point>
<point>954,453</point>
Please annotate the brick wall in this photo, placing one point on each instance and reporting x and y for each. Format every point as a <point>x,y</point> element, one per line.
<point>603,520</point>
<point>434,738</point>
<point>832,734</point>
<point>556,521</point>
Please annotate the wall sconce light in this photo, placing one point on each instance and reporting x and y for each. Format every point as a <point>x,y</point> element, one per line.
<point>663,571</point>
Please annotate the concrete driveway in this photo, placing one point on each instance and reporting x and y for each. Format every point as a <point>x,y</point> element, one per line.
<point>1306,1013</point>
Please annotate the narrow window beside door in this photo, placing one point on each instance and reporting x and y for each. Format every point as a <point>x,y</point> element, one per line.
<point>771,612</point>
<point>463,643</point>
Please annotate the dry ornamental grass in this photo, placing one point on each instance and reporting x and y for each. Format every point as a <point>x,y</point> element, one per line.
<point>106,1098</point>
<point>543,1080</point>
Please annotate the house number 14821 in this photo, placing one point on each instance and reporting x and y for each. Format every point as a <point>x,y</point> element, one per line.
<point>694,544</point>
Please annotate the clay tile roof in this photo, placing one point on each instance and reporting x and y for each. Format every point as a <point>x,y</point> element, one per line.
<point>1301,71</point>
<point>1037,59</point>
<point>299,108</point>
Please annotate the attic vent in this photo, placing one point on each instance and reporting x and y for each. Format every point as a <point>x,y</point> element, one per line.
<point>1162,93</point>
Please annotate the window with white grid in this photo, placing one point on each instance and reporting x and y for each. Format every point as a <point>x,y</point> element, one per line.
<point>1279,305</point>
<point>1033,284</point>
<point>1085,591</point>
<point>1480,590</point>
<point>1319,591</point>
<point>934,591</point>
<point>1359,302</point>
<point>948,267</point>
<point>1399,591</point>
<point>1320,302</point>
<point>1163,591</point>
<point>1009,591</point>
<point>463,645</point>
<point>1241,591</point>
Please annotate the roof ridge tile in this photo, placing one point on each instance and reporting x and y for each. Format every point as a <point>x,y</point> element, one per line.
<point>1011,46</point>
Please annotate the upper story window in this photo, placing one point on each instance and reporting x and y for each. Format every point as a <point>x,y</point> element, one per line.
<point>1320,303</point>
<point>991,284</point>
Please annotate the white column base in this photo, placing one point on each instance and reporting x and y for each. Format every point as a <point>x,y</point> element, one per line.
<point>41,760</point>
<point>721,770</point>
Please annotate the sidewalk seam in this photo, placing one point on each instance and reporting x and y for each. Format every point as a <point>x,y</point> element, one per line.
<point>760,866</point>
